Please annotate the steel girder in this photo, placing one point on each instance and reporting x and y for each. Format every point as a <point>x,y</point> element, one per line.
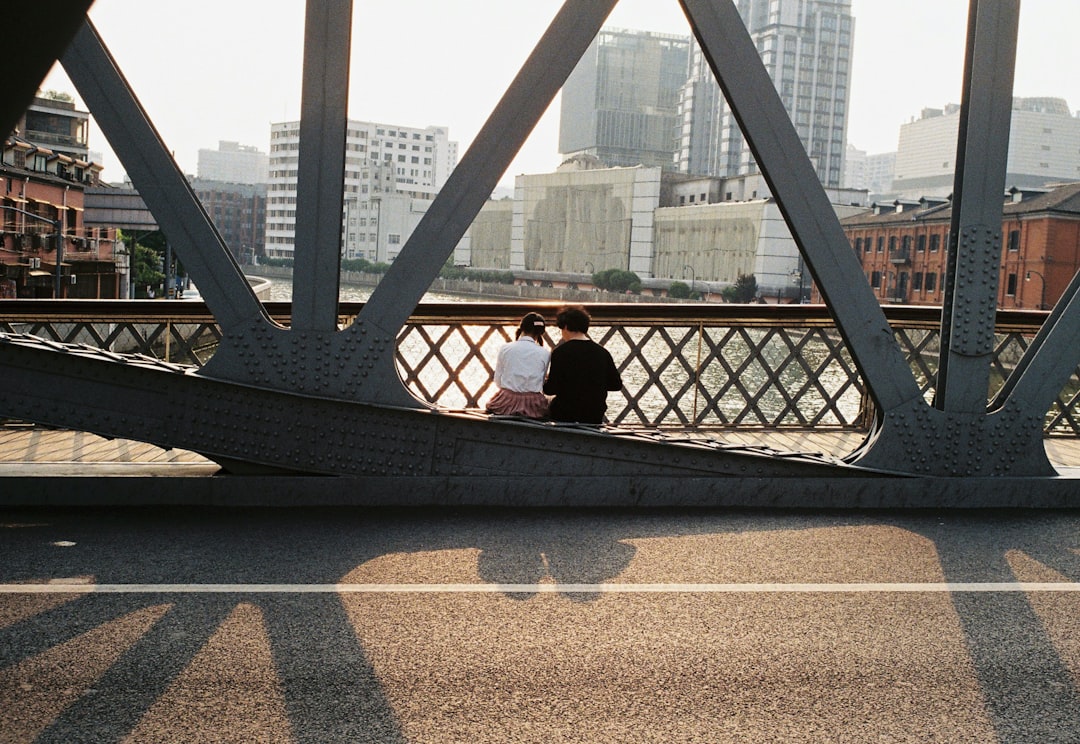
<point>911,435</point>
<point>315,399</point>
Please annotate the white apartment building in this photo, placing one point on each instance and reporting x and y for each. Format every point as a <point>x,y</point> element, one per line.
<point>806,47</point>
<point>874,173</point>
<point>392,173</point>
<point>1044,148</point>
<point>234,163</point>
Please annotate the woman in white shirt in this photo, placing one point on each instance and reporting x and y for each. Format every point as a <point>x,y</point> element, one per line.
<point>520,369</point>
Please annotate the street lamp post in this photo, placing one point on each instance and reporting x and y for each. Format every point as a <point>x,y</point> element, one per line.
<point>57,226</point>
<point>1042,291</point>
<point>692,276</point>
<point>797,278</point>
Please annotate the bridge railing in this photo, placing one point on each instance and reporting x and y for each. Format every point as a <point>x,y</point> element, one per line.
<point>684,366</point>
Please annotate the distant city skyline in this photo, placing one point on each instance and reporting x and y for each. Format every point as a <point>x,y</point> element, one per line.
<point>226,70</point>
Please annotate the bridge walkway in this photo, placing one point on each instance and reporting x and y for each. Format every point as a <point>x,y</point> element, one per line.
<point>25,449</point>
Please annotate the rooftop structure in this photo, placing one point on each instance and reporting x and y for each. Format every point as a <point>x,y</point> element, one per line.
<point>55,124</point>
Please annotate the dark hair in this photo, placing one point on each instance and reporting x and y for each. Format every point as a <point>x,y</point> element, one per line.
<point>573,318</point>
<point>532,325</point>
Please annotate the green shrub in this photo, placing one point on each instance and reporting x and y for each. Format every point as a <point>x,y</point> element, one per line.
<point>617,280</point>
<point>744,289</point>
<point>679,290</point>
<point>284,262</point>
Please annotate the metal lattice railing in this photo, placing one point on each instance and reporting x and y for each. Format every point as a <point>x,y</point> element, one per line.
<point>685,366</point>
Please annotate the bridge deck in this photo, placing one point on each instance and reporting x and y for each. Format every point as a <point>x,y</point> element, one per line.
<point>33,447</point>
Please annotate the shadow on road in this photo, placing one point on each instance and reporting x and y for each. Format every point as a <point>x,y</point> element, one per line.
<point>330,689</point>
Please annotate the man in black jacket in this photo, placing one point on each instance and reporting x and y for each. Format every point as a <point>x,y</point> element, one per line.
<point>581,373</point>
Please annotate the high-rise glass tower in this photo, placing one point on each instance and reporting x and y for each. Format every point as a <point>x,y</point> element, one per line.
<point>620,104</point>
<point>806,48</point>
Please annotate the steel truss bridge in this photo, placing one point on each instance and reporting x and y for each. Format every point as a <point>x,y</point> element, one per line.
<point>319,409</point>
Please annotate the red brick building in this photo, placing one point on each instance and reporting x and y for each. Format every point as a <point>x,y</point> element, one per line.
<point>902,247</point>
<point>41,189</point>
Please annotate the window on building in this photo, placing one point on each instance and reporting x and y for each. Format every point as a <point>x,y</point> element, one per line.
<point>931,281</point>
<point>1010,286</point>
<point>875,279</point>
<point>916,281</point>
<point>1014,240</point>
<point>393,238</point>
<point>858,245</point>
<point>881,244</point>
<point>920,244</point>
<point>935,243</point>
<point>892,244</point>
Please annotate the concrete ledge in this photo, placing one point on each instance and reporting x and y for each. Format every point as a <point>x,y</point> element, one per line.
<point>598,491</point>
<point>106,469</point>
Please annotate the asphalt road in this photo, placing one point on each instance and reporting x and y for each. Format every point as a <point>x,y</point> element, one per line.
<point>538,626</point>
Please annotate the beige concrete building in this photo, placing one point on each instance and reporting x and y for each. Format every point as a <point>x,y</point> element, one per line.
<point>710,243</point>
<point>663,227</point>
<point>585,221</point>
<point>486,245</point>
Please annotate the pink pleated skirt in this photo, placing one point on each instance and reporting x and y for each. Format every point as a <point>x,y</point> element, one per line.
<point>509,403</point>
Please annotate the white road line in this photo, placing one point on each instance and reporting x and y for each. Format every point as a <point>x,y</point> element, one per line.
<point>62,587</point>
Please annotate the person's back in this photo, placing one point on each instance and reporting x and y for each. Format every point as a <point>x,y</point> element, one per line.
<point>581,372</point>
<point>519,372</point>
<point>520,366</point>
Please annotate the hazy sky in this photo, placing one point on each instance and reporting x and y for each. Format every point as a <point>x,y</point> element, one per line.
<point>210,70</point>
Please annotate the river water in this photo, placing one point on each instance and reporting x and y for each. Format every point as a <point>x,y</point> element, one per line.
<point>651,377</point>
<point>281,291</point>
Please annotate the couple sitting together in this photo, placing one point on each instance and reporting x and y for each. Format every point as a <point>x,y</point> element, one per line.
<point>578,373</point>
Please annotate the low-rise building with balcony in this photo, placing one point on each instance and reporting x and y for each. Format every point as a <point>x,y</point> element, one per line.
<point>46,250</point>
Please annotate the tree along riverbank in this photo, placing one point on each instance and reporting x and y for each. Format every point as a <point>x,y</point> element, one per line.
<point>476,289</point>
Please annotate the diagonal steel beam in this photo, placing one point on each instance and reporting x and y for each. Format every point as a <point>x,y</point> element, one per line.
<point>1050,360</point>
<point>321,168</point>
<point>29,55</point>
<point>779,152</point>
<point>471,183</point>
<point>162,186</point>
<point>982,151</point>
